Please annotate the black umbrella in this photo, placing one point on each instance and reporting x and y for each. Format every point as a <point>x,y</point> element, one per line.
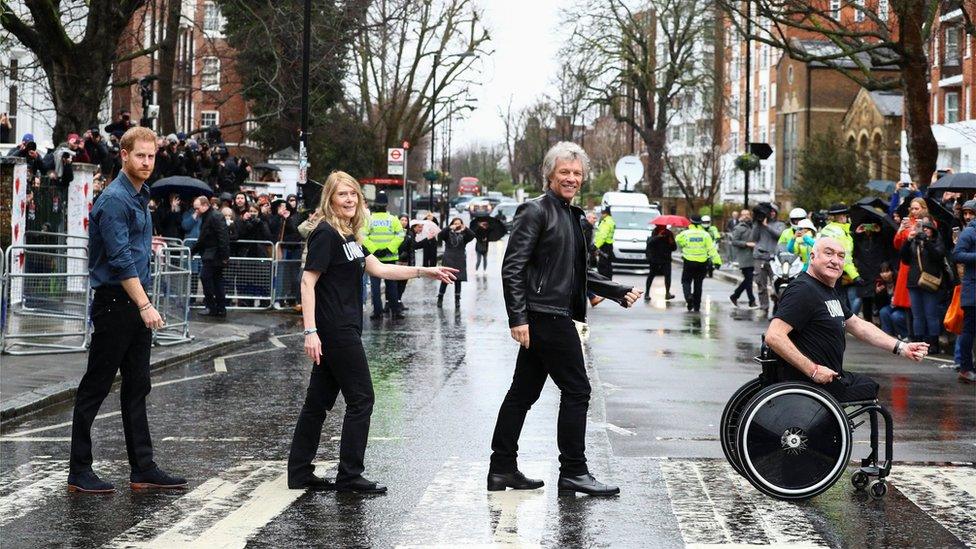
<point>872,201</point>
<point>496,229</point>
<point>936,210</point>
<point>266,166</point>
<point>186,187</point>
<point>955,182</point>
<point>870,213</point>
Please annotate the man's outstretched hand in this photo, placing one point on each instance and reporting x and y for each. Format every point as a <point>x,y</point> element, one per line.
<point>632,296</point>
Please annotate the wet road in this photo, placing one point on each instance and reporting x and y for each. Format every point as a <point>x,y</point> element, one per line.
<point>660,378</point>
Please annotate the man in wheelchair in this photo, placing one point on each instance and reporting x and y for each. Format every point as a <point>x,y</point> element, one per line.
<point>808,330</point>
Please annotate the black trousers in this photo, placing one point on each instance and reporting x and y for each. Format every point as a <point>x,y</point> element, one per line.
<point>604,261</point>
<point>658,269</point>
<point>212,278</point>
<point>430,253</point>
<point>457,288</point>
<point>554,351</point>
<point>120,340</point>
<point>850,387</point>
<point>745,285</point>
<point>692,275</point>
<point>341,370</point>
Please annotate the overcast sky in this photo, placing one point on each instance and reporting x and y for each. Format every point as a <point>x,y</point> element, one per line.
<point>525,38</point>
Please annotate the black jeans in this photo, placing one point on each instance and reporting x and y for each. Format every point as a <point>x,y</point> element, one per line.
<point>344,370</point>
<point>554,351</point>
<point>120,340</point>
<point>692,275</point>
<point>481,260</point>
<point>658,269</point>
<point>457,289</point>
<point>212,278</point>
<point>745,285</point>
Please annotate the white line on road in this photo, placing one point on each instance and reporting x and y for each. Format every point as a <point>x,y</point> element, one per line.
<point>219,365</point>
<point>947,494</point>
<point>47,477</point>
<point>456,510</point>
<point>373,439</point>
<point>35,439</point>
<point>276,342</point>
<point>205,439</point>
<point>106,414</point>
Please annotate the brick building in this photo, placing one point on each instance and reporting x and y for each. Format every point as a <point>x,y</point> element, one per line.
<point>206,87</point>
<point>873,127</point>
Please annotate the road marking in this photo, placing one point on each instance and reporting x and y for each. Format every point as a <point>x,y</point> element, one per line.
<point>371,439</point>
<point>276,342</point>
<point>181,380</point>
<point>220,365</point>
<point>936,359</point>
<point>205,439</point>
<point>27,492</point>
<point>947,494</point>
<point>714,506</point>
<point>225,511</point>
<point>448,512</point>
<point>35,439</point>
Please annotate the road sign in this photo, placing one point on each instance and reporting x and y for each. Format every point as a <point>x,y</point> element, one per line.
<point>629,171</point>
<point>394,161</point>
<point>762,150</point>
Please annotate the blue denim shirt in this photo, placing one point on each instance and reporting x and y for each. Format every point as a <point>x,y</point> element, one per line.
<point>120,235</point>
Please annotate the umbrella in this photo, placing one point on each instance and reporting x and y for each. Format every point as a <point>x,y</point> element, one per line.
<point>881,186</point>
<point>955,182</point>
<point>870,213</point>
<point>186,187</point>
<point>939,212</point>
<point>673,220</point>
<point>872,201</point>
<point>266,166</point>
<point>496,229</point>
<point>430,229</point>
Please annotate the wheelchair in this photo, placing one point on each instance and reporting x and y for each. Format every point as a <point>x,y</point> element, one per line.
<point>792,440</point>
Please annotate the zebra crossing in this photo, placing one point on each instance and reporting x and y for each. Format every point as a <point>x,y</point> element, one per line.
<point>709,503</point>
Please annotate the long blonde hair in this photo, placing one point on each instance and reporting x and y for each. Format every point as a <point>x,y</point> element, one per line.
<point>352,227</point>
<point>925,207</point>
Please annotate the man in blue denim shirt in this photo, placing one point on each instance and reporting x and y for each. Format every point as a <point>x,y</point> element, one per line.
<point>120,240</point>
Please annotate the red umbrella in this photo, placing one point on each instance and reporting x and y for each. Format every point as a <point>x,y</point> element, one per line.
<point>673,220</point>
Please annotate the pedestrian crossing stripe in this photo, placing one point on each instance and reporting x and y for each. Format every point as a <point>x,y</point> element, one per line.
<point>942,492</point>
<point>29,486</point>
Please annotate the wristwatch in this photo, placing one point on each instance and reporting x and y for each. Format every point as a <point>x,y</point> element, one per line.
<point>897,349</point>
<point>309,331</point>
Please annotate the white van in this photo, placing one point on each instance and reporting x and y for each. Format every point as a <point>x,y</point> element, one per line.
<point>633,214</point>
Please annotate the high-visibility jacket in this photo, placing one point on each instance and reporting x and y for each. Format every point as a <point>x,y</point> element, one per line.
<point>842,232</point>
<point>384,234</point>
<point>697,245</point>
<point>604,232</point>
<point>713,232</point>
<point>787,236</point>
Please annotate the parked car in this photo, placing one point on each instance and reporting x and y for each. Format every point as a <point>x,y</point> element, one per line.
<point>633,215</point>
<point>460,203</point>
<point>481,206</point>
<point>505,212</point>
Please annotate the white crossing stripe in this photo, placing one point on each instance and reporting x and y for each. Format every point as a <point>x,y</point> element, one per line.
<point>35,439</point>
<point>225,511</point>
<point>456,509</point>
<point>715,507</point>
<point>947,494</point>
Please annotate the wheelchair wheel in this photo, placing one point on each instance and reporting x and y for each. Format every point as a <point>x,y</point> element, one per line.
<point>793,440</point>
<point>730,420</point>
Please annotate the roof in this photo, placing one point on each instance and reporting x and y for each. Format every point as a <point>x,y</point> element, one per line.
<point>824,48</point>
<point>889,103</point>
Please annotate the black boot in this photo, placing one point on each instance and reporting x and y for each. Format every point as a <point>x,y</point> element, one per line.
<point>516,481</point>
<point>440,300</point>
<point>457,301</point>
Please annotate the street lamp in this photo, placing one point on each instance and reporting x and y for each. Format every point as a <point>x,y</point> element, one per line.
<point>433,116</point>
<point>303,133</point>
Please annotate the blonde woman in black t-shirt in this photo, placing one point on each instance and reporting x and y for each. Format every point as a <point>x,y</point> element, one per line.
<point>333,317</point>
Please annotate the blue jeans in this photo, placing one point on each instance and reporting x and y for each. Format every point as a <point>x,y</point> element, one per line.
<point>853,300</point>
<point>926,306</point>
<point>893,321</point>
<point>392,295</point>
<point>965,341</point>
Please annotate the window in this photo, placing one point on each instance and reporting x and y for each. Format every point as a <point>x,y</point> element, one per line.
<point>763,60</point>
<point>789,149</point>
<point>951,47</point>
<point>835,9</point>
<point>951,107</point>
<point>883,10</point>
<point>210,76</point>
<point>212,21</point>
<point>935,107</point>
<point>734,106</point>
<point>858,11</point>
<point>969,101</point>
<point>935,52</point>
<point>674,133</point>
<point>734,142</point>
<point>690,135</point>
<point>969,45</point>
<point>209,118</point>
<point>763,98</point>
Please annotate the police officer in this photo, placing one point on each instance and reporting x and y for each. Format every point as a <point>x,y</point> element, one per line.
<point>603,241</point>
<point>796,215</point>
<point>697,249</point>
<point>716,236</point>
<point>839,227</point>
<point>384,234</point>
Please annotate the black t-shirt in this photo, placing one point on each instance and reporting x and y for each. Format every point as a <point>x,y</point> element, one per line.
<point>338,292</point>
<point>818,317</point>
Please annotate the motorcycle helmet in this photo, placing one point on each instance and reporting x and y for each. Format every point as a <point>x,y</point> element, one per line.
<point>706,220</point>
<point>796,214</point>
<point>806,224</point>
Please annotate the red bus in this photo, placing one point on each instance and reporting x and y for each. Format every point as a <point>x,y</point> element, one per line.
<point>469,186</point>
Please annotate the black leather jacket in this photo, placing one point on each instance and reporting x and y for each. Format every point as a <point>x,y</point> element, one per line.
<point>544,269</point>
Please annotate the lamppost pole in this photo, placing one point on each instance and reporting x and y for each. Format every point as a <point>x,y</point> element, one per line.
<point>303,134</point>
<point>433,126</point>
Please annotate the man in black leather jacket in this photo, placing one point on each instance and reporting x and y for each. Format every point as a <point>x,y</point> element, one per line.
<point>545,281</point>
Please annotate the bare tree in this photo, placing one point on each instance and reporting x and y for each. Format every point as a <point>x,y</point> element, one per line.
<point>696,174</point>
<point>75,43</point>
<point>537,136</point>
<point>858,46</point>
<point>636,60</point>
<point>514,123</point>
<point>411,53</point>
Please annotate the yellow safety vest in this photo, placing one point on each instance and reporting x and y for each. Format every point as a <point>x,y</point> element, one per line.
<point>697,245</point>
<point>384,234</point>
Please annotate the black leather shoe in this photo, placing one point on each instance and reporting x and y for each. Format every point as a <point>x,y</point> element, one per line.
<point>398,315</point>
<point>155,478</point>
<point>315,484</point>
<point>516,481</point>
<point>88,483</point>
<point>360,485</point>
<point>585,484</point>
<point>376,316</point>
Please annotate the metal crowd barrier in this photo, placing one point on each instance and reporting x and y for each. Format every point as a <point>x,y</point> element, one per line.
<point>248,277</point>
<point>287,271</point>
<point>47,305</point>
<point>171,278</point>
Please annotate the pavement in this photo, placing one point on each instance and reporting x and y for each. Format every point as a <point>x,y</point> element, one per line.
<point>29,383</point>
<point>660,377</point>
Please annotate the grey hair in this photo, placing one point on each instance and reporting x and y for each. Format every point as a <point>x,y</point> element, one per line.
<point>565,151</point>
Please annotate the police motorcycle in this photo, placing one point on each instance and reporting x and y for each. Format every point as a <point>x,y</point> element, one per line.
<point>785,267</point>
<point>793,440</point>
